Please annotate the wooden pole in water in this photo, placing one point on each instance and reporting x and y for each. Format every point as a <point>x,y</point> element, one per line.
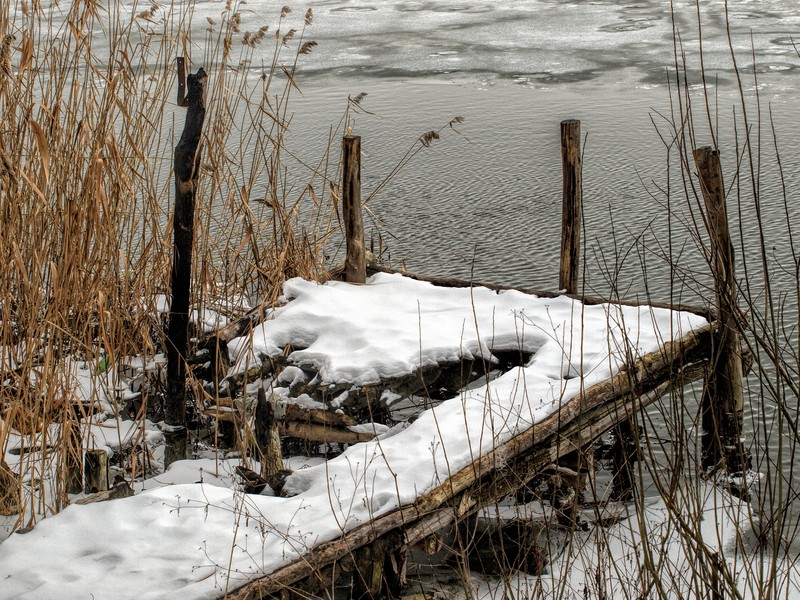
<point>567,492</point>
<point>356,263</point>
<point>187,170</point>
<point>572,205</point>
<point>723,398</point>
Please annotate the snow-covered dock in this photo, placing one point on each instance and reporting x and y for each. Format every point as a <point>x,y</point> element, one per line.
<point>589,366</point>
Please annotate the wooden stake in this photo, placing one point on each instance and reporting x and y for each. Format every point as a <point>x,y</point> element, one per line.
<point>571,215</point>
<point>572,204</point>
<point>95,470</point>
<point>356,262</point>
<point>187,170</point>
<point>267,436</point>
<point>723,398</point>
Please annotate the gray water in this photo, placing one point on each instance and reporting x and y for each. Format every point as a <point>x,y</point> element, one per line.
<point>486,204</point>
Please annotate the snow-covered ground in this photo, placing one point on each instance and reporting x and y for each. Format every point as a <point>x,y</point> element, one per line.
<point>199,535</point>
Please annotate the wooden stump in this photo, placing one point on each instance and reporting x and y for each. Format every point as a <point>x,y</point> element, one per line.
<point>95,471</point>
<point>268,436</point>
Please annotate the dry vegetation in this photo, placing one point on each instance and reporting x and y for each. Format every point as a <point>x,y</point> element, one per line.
<point>87,126</point>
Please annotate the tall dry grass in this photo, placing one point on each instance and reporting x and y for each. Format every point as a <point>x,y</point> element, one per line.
<point>88,121</point>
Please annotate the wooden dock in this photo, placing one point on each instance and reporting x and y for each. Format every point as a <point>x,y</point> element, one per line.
<point>375,553</point>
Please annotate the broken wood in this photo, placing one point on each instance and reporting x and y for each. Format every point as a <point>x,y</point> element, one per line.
<point>187,171</point>
<point>314,432</point>
<point>120,490</point>
<point>355,263</point>
<point>500,472</point>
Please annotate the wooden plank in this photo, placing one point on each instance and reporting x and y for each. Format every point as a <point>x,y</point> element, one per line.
<point>513,463</point>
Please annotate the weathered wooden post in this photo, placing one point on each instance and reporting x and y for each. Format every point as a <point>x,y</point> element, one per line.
<point>572,205</point>
<point>267,436</point>
<point>187,170</point>
<point>567,491</point>
<point>723,398</point>
<point>356,264</point>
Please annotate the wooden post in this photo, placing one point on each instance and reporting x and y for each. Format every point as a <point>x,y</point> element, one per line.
<point>569,268</point>
<point>95,471</point>
<point>187,169</point>
<point>572,206</point>
<point>356,263</point>
<point>723,398</point>
<point>267,436</point>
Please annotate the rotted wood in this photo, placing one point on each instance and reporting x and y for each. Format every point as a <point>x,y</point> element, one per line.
<point>515,462</point>
<point>723,397</point>
<point>187,171</point>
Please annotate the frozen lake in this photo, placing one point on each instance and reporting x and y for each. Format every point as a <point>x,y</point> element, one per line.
<point>488,204</point>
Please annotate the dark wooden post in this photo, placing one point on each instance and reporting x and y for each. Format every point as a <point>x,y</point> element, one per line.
<point>355,265</point>
<point>723,398</point>
<point>572,205</point>
<point>95,471</point>
<point>187,169</point>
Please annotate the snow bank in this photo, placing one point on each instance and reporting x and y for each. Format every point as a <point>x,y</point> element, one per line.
<point>196,540</point>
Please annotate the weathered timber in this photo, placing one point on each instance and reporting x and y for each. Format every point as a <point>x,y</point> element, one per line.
<point>314,432</point>
<point>512,464</point>
<point>723,397</point>
<point>187,170</point>
<point>356,262</point>
<point>95,471</point>
<point>120,490</point>
<point>572,206</point>
<point>295,412</point>
<point>267,436</point>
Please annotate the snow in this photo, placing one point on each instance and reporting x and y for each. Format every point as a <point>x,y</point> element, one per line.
<point>196,540</point>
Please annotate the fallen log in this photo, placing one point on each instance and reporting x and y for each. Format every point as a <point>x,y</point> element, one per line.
<point>314,432</point>
<point>509,466</point>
